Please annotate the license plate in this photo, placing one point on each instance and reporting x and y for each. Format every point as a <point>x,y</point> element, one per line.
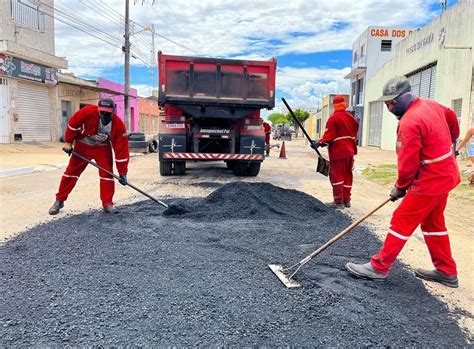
<point>175,125</point>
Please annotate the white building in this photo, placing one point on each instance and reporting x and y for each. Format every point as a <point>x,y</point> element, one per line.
<point>28,72</point>
<point>372,49</point>
<point>438,59</point>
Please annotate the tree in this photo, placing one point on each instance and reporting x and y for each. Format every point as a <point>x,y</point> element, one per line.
<point>301,115</point>
<point>281,120</point>
<point>276,116</point>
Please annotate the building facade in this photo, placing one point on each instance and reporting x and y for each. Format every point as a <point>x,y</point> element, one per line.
<point>28,72</point>
<point>438,60</point>
<point>372,49</point>
<point>114,90</point>
<point>149,114</point>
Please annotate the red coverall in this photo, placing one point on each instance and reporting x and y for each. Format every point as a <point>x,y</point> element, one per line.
<point>268,130</point>
<point>83,123</point>
<point>341,135</point>
<point>428,169</point>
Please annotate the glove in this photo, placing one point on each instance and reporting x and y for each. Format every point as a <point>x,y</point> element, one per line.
<point>123,179</point>
<point>397,193</point>
<point>322,144</point>
<point>67,148</point>
<point>313,145</point>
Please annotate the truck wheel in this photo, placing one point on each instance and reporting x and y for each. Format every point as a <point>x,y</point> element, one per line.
<point>136,136</point>
<point>165,168</point>
<point>153,146</point>
<point>179,168</point>
<point>239,168</point>
<point>254,168</point>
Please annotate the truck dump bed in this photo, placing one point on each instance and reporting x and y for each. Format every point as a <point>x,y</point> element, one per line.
<point>185,80</point>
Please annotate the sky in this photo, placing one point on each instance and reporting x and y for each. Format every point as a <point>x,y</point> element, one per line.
<point>311,39</point>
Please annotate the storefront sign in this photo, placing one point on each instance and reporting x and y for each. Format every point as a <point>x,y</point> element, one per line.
<point>386,33</point>
<point>420,44</point>
<point>17,68</point>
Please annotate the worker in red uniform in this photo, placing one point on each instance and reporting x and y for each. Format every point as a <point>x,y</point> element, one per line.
<point>94,131</point>
<point>341,137</point>
<point>427,172</point>
<point>268,130</point>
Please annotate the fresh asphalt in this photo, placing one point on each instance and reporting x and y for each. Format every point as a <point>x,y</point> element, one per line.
<point>199,277</point>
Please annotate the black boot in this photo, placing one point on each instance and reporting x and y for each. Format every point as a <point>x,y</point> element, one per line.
<point>56,207</point>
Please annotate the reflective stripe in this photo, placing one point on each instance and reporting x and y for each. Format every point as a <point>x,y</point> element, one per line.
<point>347,186</point>
<point>438,159</point>
<point>400,236</point>
<point>121,160</point>
<point>338,183</point>
<point>72,128</point>
<point>435,233</point>
<point>107,179</point>
<point>343,137</point>
<point>68,176</point>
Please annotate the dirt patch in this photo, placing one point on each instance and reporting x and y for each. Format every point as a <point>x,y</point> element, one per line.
<point>141,278</point>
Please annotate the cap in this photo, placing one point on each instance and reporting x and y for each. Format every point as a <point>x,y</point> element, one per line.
<point>339,102</point>
<point>394,88</point>
<point>107,105</point>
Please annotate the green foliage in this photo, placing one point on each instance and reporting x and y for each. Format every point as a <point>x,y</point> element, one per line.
<point>276,116</point>
<point>281,120</point>
<point>300,115</point>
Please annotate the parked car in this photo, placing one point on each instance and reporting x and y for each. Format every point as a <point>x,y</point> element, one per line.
<point>282,132</point>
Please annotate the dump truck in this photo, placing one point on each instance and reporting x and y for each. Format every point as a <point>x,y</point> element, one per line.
<point>212,112</point>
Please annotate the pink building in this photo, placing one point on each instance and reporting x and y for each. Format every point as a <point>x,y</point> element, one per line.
<point>115,91</point>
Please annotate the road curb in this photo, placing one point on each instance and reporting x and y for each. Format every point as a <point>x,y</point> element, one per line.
<point>16,171</point>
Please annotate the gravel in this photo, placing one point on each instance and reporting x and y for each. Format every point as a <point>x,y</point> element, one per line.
<point>199,277</point>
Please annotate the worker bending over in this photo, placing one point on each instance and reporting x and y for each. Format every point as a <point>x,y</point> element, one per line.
<point>340,137</point>
<point>427,172</point>
<point>94,131</point>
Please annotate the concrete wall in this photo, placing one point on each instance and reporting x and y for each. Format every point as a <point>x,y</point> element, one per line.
<point>118,97</point>
<point>149,107</point>
<point>420,48</point>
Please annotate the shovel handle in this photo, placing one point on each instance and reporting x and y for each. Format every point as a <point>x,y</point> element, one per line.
<point>342,233</point>
<point>300,126</point>
<point>118,178</point>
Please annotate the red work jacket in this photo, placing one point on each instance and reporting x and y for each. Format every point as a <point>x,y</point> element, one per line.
<point>85,122</point>
<point>341,135</point>
<point>426,162</point>
<point>268,130</point>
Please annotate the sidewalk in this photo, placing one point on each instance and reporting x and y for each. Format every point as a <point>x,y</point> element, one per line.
<point>29,157</point>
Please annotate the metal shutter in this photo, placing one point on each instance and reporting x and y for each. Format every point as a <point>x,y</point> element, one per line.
<point>375,124</point>
<point>33,112</point>
<point>423,82</point>
<point>456,105</point>
<point>433,82</point>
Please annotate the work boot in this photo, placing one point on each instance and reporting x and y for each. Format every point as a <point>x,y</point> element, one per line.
<point>110,209</point>
<point>56,207</point>
<point>365,271</point>
<point>336,205</point>
<point>437,276</point>
<point>347,204</point>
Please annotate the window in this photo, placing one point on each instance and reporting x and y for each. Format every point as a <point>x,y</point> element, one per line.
<point>360,91</point>
<point>362,49</point>
<point>423,81</point>
<point>456,105</point>
<point>27,13</point>
<point>355,56</point>
<point>386,46</point>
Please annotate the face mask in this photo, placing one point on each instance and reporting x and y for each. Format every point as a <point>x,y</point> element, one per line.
<point>105,117</point>
<point>402,103</point>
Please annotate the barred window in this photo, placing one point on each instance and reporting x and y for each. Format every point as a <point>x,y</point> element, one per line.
<point>27,13</point>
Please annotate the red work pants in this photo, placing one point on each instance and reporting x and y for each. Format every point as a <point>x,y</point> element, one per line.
<point>102,155</point>
<point>415,209</point>
<point>340,175</point>
<point>267,143</point>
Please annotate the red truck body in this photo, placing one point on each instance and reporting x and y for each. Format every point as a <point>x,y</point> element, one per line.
<point>212,111</point>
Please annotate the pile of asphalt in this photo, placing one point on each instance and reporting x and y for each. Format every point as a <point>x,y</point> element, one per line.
<point>140,278</point>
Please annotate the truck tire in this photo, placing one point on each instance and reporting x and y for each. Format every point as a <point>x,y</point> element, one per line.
<point>179,168</point>
<point>138,146</point>
<point>153,146</point>
<point>165,168</point>
<point>253,169</point>
<point>239,168</point>
<point>229,164</point>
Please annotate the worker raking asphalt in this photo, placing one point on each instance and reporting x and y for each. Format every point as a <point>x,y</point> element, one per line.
<point>201,278</point>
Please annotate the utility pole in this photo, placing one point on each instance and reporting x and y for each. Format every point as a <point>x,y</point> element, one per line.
<point>153,59</point>
<point>126,50</point>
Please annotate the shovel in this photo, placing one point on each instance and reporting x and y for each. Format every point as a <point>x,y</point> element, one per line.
<point>118,178</point>
<point>323,164</point>
<point>282,273</point>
